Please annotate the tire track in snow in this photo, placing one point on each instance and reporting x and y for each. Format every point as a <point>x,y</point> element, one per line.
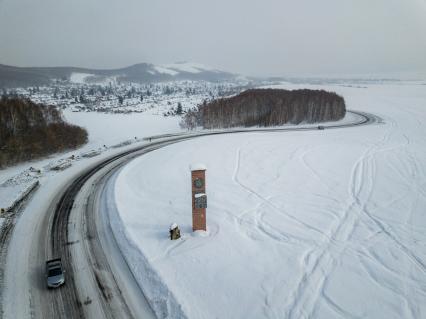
<point>313,263</point>
<point>395,289</point>
<point>314,173</point>
<point>265,229</point>
<point>319,262</point>
<point>415,176</point>
<point>382,226</point>
<point>367,173</point>
<point>389,232</point>
<point>366,178</point>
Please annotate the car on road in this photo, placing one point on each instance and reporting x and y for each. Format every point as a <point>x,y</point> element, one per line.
<point>320,127</point>
<point>55,273</point>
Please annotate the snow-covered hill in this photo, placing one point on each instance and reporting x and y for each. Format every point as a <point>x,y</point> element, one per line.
<point>152,73</point>
<point>184,67</point>
<point>320,224</point>
<point>139,73</point>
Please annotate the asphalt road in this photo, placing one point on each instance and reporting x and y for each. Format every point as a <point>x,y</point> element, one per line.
<point>81,237</point>
<point>99,283</point>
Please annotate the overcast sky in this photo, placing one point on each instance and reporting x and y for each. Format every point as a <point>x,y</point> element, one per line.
<point>264,37</point>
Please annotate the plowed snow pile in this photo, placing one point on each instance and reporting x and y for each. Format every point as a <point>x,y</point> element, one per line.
<point>321,224</point>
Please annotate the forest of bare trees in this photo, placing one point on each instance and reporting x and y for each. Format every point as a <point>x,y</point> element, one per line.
<point>267,107</point>
<point>29,130</point>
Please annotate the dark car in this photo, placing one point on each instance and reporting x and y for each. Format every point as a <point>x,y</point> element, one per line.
<point>54,273</point>
<point>320,127</point>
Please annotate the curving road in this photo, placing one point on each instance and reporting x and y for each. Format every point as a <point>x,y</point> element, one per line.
<point>99,284</point>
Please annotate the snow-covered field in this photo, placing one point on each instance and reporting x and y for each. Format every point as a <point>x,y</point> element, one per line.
<point>321,224</point>
<point>113,128</point>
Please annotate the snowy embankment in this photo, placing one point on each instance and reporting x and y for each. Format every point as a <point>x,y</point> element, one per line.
<point>319,224</point>
<point>107,133</point>
<point>12,195</point>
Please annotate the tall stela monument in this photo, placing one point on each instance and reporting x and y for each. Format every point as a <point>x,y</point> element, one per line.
<point>199,197</point>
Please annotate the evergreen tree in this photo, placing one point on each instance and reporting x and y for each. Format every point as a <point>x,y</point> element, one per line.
<point>179,110</point>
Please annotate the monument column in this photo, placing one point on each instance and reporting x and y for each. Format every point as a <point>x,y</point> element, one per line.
<point>199,197</point>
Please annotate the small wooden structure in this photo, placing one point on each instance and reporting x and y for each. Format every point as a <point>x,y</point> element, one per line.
<point>174,231</point>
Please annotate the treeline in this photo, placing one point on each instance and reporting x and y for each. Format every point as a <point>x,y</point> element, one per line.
<point>267,107</point>
<point>29,130</point>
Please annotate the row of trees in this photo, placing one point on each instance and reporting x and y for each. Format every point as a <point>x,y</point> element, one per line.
<point>267,107</point>
<point>29,130</point>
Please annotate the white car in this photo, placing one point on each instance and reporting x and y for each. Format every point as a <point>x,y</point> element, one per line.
<point>54,273</point>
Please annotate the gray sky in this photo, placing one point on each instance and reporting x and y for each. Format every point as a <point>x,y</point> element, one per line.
<point>264,37</point>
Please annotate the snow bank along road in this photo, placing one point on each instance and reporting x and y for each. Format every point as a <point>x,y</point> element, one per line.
<point>69,223</point>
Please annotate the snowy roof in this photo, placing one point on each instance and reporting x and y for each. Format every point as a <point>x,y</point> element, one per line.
<point>198,167</point>
<point>173,226</point>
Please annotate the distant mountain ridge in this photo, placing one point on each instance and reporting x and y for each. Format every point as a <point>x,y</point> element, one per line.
<point>11,76</point>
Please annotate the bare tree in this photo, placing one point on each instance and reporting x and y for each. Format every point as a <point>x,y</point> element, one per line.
<point>29,130</point>
<point>268,107</point>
